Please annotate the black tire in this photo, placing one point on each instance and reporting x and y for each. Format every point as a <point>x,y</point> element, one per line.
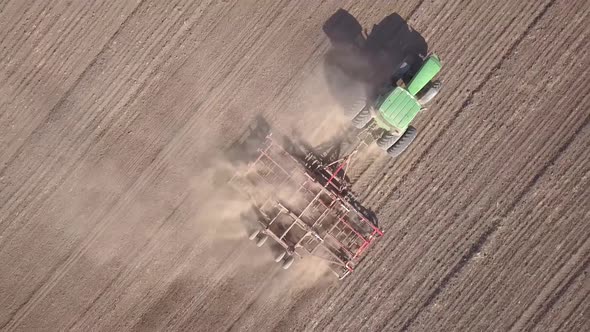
<point>403,142</point>
<point>433,90</point>
<point>356,101</point>
<point>362,119</point>
<point>387,140</point>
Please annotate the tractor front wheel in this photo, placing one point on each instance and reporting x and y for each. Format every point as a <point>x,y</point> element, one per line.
<point>432,90</point>
<point>403,142</point>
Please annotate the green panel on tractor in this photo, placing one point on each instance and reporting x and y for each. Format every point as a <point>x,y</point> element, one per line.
<point>429,69</point>
<point>399,108</point>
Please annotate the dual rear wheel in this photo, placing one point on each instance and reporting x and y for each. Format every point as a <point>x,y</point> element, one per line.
<point>362,118</point>
<point>390,142</point>
<point>394,144</point>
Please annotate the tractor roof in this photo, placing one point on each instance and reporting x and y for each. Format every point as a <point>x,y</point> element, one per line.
<point>429,69</point>
<point>399,108</point>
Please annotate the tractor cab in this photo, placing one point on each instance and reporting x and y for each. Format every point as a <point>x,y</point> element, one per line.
<point>394,111</point>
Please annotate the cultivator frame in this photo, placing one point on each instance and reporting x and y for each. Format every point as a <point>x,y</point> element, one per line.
<point>306,207</point>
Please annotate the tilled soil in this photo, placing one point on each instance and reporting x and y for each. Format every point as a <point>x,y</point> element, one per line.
<point>114,120</point>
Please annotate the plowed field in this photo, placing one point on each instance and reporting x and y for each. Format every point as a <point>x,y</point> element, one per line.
<point>114,119</point>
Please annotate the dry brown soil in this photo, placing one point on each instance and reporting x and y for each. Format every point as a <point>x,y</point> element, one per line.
<point>113,116</point>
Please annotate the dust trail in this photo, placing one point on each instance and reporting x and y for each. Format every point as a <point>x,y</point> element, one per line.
<point>220,209</point>
<point>323,105</point>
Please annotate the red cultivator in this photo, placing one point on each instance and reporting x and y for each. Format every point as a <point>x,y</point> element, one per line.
<point>306,207</point>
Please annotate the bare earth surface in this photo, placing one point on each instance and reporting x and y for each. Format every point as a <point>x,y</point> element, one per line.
<point>114,116</point>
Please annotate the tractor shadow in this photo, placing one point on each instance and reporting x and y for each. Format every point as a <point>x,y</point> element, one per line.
<point>370,57</point>
<point>368,62</point>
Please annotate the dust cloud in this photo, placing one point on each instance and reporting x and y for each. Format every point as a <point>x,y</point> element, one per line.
<point>322,105</point>
<point>212,213</point>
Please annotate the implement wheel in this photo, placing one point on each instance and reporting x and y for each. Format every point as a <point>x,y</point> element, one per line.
<point>261,240</point>
<point>280,256</point>
<point>253,235</point>
<point>288,262</point>
<point>355,101</point>
<point>403,142</point>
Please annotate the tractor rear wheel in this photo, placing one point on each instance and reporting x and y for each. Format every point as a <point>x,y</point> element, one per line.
<point>386,140</point>
<point>355,101</point>
<point>362,119</point>
<point>403,142</point>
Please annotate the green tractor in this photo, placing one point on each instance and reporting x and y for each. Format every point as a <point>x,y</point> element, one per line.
<point>393,111</point>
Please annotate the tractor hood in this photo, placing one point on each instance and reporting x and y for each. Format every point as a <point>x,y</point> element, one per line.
<point>429,69</point>
<point>397,110</point>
